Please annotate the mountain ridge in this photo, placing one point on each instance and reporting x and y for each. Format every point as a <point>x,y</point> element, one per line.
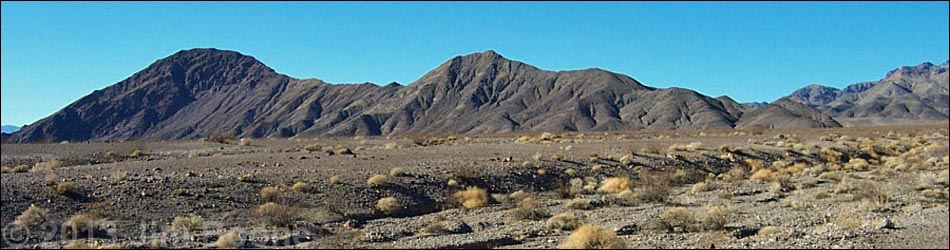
<point>202,92</point>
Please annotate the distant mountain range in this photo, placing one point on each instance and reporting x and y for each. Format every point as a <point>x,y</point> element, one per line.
<point>203,92</point>
<point>10,129</point>
<point>905,95</point>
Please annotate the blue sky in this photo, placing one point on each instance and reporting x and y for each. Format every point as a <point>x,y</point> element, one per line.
<point>53,53</point>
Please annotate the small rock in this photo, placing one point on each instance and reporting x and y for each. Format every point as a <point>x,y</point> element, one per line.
<point>884,224</point>
<point>627,229</point>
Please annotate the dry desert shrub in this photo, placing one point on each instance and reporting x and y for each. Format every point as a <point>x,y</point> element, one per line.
<point>229,240</point>
<point>452,183</point>
<point>388,205</point>
<point>397,171</point>
<point>376,180</point>
<point>762,175</point>
<point>82,223</point>
<point>593,157</point>
<point>270,193</point>
<point>700,187</point>
<point>341,150</point>
<point>579,204</point>
<point>754,165</point>
<point>189,223</point>
<point>656,185</point>
<point>589,236</point>
<point>136,153</point>
<point>558,157</point>
<point>517,196</point>
<point>596,168</point>
<point>857,164</point>
<point>615,185</point>
<point>335,180</point>
<point>830,155</point>
<point>300,187</point>
<point>529,209</point>
<point>627,198</point>
<point>693,146</point>
<point>562,222</point>
<point>33,216</point>
<point>277,215</point>
<point>65,188</point>
<point>570,172</point>
<point>81,244</point>
<point>716,217</point>
<point>472,197</point>
<point>736,173</point>
<point>679,218</point>
<point>245,142</point>
<point>44,167</point>
<point>626,160</point>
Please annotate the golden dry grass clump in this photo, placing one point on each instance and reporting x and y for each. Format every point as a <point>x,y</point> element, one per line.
<point>33,216</point>
<point>277,215</point>
<point>589,236</point>
<point>189,223</point>
<point>472,197</point>
<point>335,180</point>
<point>300,187</point>
<point>341,150</point>
<point>700,187</point>
<point>563,221</point>
<point>397,171</point>
<point>270,193</point>
<point>388,205</point>
<point>716,217</point>
<point>626,160</point>
<point>529,208</point>
<point>65,188</point>
<point>579,204</point>
<point>230,240</point>
<point>762,175</point>
<point>615,185</point>
<point>82,223</point>
<point>376,180</point>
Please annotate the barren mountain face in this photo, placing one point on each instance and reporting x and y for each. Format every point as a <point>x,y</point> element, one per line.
<point>207,92</point>
<point>904,95</point>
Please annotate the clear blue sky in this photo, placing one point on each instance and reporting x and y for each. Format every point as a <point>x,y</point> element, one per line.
<point>56,52</point>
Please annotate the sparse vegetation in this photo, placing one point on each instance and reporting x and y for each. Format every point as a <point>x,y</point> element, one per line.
<point>230,240</point>
<point>277,215</point>
<point>615,185</point>
<point>33,216</point>
<point>65,188</point>
<point>82,223</point>
<point>388,205</point>
<point>397,171</point>
<point>335,180</point>
<point>190,223</point>
<point>270,193</point>
<point>300,187</point>
<point>376,180</point>
<point>589,236</point>
<point>563,221</point>
<point>529,209</point>
<point>579,204</point>
<point>472,197</point>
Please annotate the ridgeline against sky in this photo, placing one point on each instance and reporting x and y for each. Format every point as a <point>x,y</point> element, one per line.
<point>53,53</point>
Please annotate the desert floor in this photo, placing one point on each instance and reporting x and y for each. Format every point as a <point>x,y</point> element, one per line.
<point>868,187</point>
